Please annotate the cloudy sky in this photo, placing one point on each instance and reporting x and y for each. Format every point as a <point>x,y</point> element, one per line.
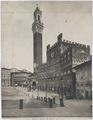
<point>73,19</point>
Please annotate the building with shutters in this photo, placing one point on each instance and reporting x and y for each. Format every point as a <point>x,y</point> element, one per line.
<point>19,78</point>
<point>5,77</point>
<point>84,80</point>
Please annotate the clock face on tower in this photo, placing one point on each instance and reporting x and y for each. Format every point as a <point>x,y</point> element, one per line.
<point>37,27</point>
<point>52,54</point>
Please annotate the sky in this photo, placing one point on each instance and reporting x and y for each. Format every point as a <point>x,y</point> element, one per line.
<point>73,19</point>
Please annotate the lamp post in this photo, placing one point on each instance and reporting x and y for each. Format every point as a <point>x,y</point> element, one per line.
<point>61,93</point>
<point>46,86</point>
<point>74,82</point>
<point>61,84</point>
<point>37,88</point>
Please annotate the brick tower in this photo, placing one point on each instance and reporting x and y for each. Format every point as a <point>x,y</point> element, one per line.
<point>37,28</point>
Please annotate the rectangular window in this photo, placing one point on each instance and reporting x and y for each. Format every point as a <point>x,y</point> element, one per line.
<point>81,84</point>
<point>68,58</point>
<point>65,73</point>
<point>82,91</point>
<point>62,73</point>
<point>68,71</point>
<point>68,53</point>
<point>64,56</point>
<point>77,84</point>
<point>65,61</point>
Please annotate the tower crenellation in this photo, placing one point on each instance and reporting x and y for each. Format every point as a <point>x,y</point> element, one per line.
<point>64,40</point>
<point>48,47</point>
<point>88,48</point>
<point>59,38</point>
<point>69,42</point>
<point>73,44</point>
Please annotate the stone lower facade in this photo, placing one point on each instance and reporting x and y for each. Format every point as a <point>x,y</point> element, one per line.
<point>57,73</point>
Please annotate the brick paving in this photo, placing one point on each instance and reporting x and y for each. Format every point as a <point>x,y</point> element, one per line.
<point>36,108</point>
<point>44,112</point>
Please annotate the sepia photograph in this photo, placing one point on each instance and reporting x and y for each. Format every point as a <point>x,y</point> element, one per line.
<point>46,59</point>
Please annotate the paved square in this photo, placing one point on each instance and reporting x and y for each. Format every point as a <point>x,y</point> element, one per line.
<point>37,108</point>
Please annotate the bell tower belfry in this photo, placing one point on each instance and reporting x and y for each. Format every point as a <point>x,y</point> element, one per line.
<point>37,28</point>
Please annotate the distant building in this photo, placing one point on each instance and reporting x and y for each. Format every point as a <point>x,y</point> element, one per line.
<point>10,77</point>
<point>5,77</point>
<point>19,78</point>
<point>14,70</point>
<point>84,80</point>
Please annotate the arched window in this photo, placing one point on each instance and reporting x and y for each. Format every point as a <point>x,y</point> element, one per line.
<point>38,18</point>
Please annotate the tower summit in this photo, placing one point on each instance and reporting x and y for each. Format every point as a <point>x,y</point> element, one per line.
<point>37,28</point>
